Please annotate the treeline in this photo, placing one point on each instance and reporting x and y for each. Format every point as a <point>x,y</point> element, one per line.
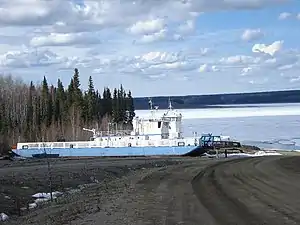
<point>54,113</point>
<point>203,101</point>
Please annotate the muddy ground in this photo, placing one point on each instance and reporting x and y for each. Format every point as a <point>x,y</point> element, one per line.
<point>20,179</point>
<point>261,190</point>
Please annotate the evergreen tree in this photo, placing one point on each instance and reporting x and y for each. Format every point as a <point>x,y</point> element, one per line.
<point>46,104</point>
<point>70,93</point>
<point>122,104</point>
<point>60,100</point>
<point>45,112</point>
<point>91,101</point>
<point>99,106</point>
<point>115,106</point>
<point>130,107</point>
<point>77,94</point>
<point>107,102</point>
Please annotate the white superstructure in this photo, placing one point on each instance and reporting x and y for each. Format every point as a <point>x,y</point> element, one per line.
<point>154,131</point>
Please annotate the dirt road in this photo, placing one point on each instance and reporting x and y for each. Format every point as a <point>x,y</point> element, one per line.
<point>262,190</point>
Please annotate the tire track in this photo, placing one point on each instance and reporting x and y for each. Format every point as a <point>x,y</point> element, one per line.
<point>171,199</point>
<point>264,191</point>
<point>250,191</point>
<point>225,208</point>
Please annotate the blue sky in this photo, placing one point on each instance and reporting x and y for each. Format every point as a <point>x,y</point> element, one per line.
<point>158,47</point>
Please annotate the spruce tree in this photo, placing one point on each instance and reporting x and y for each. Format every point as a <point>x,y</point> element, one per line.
<point>130,106</point>
<point>77,94</point>
<point>46,112</point>
<point>46,104</point>
<point>115,106</point>
<point>107,102</point>
<point>91,101</point>
<point>122,104</point>
<point>60,101</point>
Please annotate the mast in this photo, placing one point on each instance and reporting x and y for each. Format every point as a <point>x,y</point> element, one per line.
<point>150,103</point>
<point>170,104</point>
<point>151,108</point>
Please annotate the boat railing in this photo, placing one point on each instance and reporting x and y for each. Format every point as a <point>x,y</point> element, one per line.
<point>113,133</point>
<point>220,144</point>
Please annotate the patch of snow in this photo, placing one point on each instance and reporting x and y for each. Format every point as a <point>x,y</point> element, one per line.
<point>240,155</point>
<point>47,195</point>
<point>43,197</point>
<point>266,153</point>
<point>256,154</point>
<point>32,205</point>
<point>3,217</point>
<point>7,197</point>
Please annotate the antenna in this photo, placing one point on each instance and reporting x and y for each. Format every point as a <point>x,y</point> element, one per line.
<point>150,103</point>
<point>170,104</point>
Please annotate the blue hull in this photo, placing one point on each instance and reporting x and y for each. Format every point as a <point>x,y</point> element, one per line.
<point>124,151</point>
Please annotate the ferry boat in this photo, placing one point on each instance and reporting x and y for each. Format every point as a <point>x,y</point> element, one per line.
<point>153,135</point>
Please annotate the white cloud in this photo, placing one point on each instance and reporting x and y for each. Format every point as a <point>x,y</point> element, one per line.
<point>240,60</point>
<point>284,15</point>
<point>245,71</point>
<point>252,34</point>
<point>173,65</point>
<point>204,51</point>
<point>186,27</point>
<point>59,39</point>
<point>286,67</point>
<point>160,35</point>
<point>31,12</point>
<point>143,44</point>
<point>149,30</point>
<point>106,13</point>
<point>27,58</point>
<point>203,68</point>
<point>159,57</point>
<point>178,37</point>
<point>295,79</point>
<point>160,60</point>
<point>147,27</point>
<point>150,64</point>
<point>268,49</point>
<point>208,68</point>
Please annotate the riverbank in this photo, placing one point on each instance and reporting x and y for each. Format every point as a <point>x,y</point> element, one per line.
<point>152,190</point>
<point>22,179</point>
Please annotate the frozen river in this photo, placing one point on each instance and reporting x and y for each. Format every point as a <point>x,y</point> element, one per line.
<point>262,125</point>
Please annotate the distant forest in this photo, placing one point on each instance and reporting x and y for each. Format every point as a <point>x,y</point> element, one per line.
<point>44,112</point>
<point>202,101</point>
